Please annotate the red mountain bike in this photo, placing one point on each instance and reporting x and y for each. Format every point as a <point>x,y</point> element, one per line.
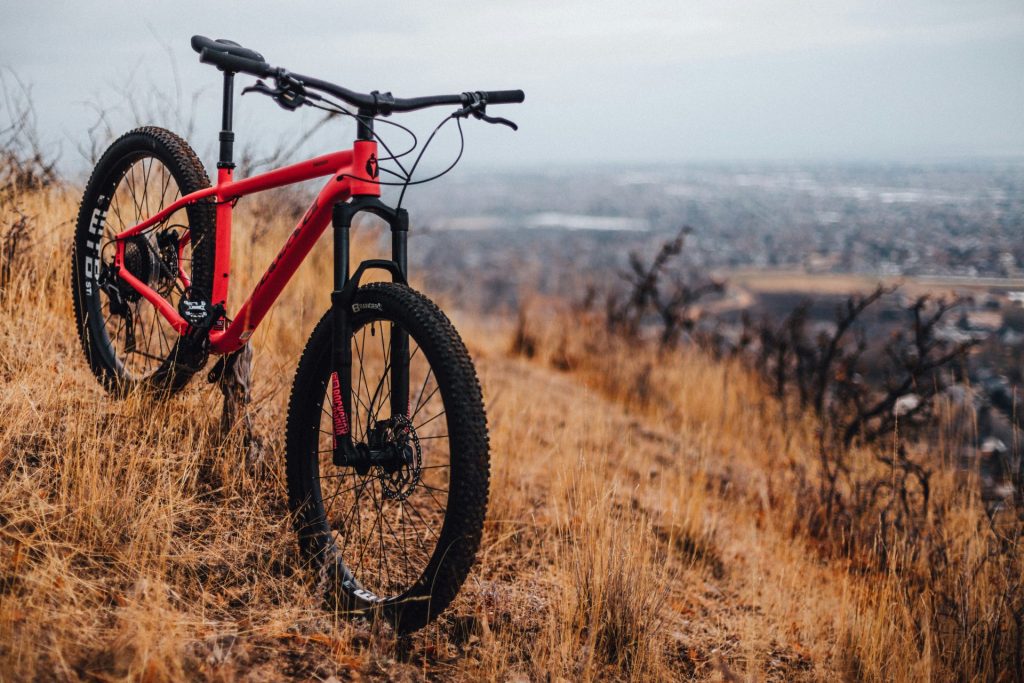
<point>387,447</point>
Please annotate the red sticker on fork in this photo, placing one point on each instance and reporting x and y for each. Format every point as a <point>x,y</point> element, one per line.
<point>338,410</point>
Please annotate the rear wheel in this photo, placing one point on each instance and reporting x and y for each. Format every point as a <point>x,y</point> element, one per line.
<point>396,538</point>
<point>126,341</point>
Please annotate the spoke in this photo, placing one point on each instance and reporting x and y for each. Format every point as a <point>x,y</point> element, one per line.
<point>386,352</point>
<point>431,494</point>
<point>378,504</point>
<point>166,184</point>
<point>391,530</point>
<point>416,535</point>
<point>338,493</point>
<point>424,424</point>
<point>138,324</point>
<point>336,476</point>
<point>161,340</point>
<point>148,355</point>
<point>385,397</point>
<point>130,179</point>
<point>425,523</point>
<point>355,506</point>
<point>120,324</point>
<point>405,536</point>
<point>423,388</point>
<point>373,400</point>
<point>362,378</point>
<point>362,546</point>
<point>115,204</point>
<point>145,185</point>
<point>427,400</point>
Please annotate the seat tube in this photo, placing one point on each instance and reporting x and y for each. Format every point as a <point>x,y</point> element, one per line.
<point>225,174</point>
<point>222,253</point>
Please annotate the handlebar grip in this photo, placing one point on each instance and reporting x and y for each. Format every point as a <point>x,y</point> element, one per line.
<point>229,62</point>
<point>504,96</point>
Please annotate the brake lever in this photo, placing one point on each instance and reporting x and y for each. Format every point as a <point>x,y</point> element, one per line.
<point>495,119</point>
<point>261,88</point>
<point>477,109</point>
<point>290,98</point>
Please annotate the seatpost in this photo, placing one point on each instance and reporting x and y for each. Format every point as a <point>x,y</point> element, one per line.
<point>225,174</point>
<point>227,138</point>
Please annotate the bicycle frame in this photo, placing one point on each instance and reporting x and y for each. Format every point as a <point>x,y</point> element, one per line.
<point>348,170</point>
<point>352,188</point>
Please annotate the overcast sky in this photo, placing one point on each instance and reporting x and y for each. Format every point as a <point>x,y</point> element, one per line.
<point>639,81</point>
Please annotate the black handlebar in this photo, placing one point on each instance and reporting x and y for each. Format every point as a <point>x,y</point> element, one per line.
<point>230,56</point>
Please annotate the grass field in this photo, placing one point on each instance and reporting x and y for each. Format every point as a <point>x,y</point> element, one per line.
<point>644,521</point>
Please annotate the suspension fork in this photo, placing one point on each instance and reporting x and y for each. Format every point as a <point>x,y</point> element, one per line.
<point>345,286</point>
<point>399,337</point>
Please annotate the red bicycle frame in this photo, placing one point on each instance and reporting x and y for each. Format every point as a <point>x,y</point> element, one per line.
<point>349,171</point>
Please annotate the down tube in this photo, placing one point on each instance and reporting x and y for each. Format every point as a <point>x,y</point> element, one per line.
<point>284,265</point>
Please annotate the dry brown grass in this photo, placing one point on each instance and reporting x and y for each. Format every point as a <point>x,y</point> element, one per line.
<point>940,597</point>
<point>642,523</point>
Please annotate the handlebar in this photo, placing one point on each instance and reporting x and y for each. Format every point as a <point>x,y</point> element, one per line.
<point>231,57</point>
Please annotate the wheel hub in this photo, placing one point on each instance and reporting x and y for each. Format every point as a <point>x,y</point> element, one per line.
<point>399,477</point>
<point>392,454</point>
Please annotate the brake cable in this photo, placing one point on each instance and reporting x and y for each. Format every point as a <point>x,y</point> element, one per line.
<point>292,95</point>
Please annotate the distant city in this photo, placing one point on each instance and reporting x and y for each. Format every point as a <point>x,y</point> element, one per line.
<point>779,236</point>
<point>946,220</point>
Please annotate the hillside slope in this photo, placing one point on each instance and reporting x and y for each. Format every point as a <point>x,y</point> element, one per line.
<point>632,539</point>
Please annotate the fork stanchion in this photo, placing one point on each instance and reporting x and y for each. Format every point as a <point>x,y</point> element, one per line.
<point>400,338</point>
<point>341,328</point>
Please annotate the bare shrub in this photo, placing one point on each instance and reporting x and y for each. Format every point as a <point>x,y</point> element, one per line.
<point>24,163</point>
<point>25,168</point>
<point>657,295</point>
<point>13,241</point>
<point>869,401</point>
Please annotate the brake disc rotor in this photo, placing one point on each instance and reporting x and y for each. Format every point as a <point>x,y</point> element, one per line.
<point>400,481</point>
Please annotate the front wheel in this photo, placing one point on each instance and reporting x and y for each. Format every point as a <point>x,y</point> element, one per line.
<point>393,538</point>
